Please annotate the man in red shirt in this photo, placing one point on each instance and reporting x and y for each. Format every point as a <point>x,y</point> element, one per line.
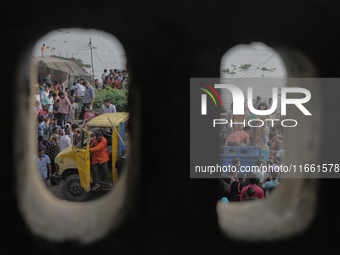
<point>239,138</point>
<point>258,191</point>
<point>100,157</point>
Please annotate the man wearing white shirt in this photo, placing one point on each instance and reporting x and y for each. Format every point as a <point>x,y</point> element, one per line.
<point>107,107</point>
<point>44,93</point>
<point>79,90</point>
<point>65,140</point>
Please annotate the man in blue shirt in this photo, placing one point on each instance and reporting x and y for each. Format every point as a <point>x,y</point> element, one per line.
<point>43,163</point>
<point>271,184</point>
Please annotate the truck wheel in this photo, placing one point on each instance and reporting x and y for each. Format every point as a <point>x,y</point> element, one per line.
<point>72,189</point>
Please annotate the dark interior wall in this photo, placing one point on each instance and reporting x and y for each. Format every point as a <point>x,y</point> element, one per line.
<point>166,43</point>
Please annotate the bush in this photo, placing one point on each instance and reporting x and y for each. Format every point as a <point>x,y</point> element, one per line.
<point>119,98</point>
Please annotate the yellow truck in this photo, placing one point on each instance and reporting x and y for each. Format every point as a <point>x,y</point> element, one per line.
<point>73,164</point>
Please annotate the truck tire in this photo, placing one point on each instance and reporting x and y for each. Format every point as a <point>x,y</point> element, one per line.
<point>72,189</point>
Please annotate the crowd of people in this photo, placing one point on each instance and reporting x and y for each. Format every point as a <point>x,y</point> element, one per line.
<point>59,119</point>
<point>257,184</point>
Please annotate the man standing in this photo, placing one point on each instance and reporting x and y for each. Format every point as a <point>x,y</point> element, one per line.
<point>88,98</point>
<point>58,85</point>
<point>51,152</point>
<point>104,76</point>
<point>73,109</point>
<point>270,103</point>
<point>100,158</point>
<point>49,100</point>
<point>107,107</point>
<point>48,77</point>
<point>64,105</point>
<point>257,102</point>
<point>79,90</point>
<point>65,140</point>
<point>43,48</point>
<point>43,163</point>
<point>42,128</point>
<point>44,93</point>
<point>54,124</point>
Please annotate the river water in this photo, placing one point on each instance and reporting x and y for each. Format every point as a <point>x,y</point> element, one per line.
<point>109,53</point>
<point>259,56</point>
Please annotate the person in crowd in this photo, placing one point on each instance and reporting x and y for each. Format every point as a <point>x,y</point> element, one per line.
<point>88,115</point>
<point>116,84</point>
<point>96,83</point>
<point>120,163</point>
<point>250,193</point>
<point>243,181</point>
<point>100,158</point>
<point>43,48</point>
<point>73,110</point>
<point>49,100</point>
<point>281,153</point>
<point>104,76</point>
<point>40,143</point>
<point>72,89</point>
<point>44,93</point>
<point>239,138</point>
<point>64,105</point>
<point>259,173</point>
<point>43,164</point>
<point>56,110</point>
<point>48,77</point>
<point>270,104</point>
<point>277,164</point>
<point>120,77</point>
<point>125,83</point>
<point>258,191</point>
<point>66,92</point>
<point>276,136</point>
<point>79,90</point>
<point>55,90</point>
<point>107,107</point>
<point>75,133</point>
<point>37,108</point>
<point>55,131</point>
<point>57,86</point>
<point>46,115</point>
<point>273,150</point>
<point>65,140</point>
<point>257,102</point>
<point>272,183</point>
<point>37,96</point>
<point>41,89</point>
<point>88,99</point>
<point>107,81</point>
<point>42,128</point>
<point>53,124</point>
<point>112,74</point>
<point>231,180</point>
<point>51,152</point>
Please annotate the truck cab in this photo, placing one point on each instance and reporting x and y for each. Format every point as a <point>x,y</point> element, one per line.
<point>73,164</point>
